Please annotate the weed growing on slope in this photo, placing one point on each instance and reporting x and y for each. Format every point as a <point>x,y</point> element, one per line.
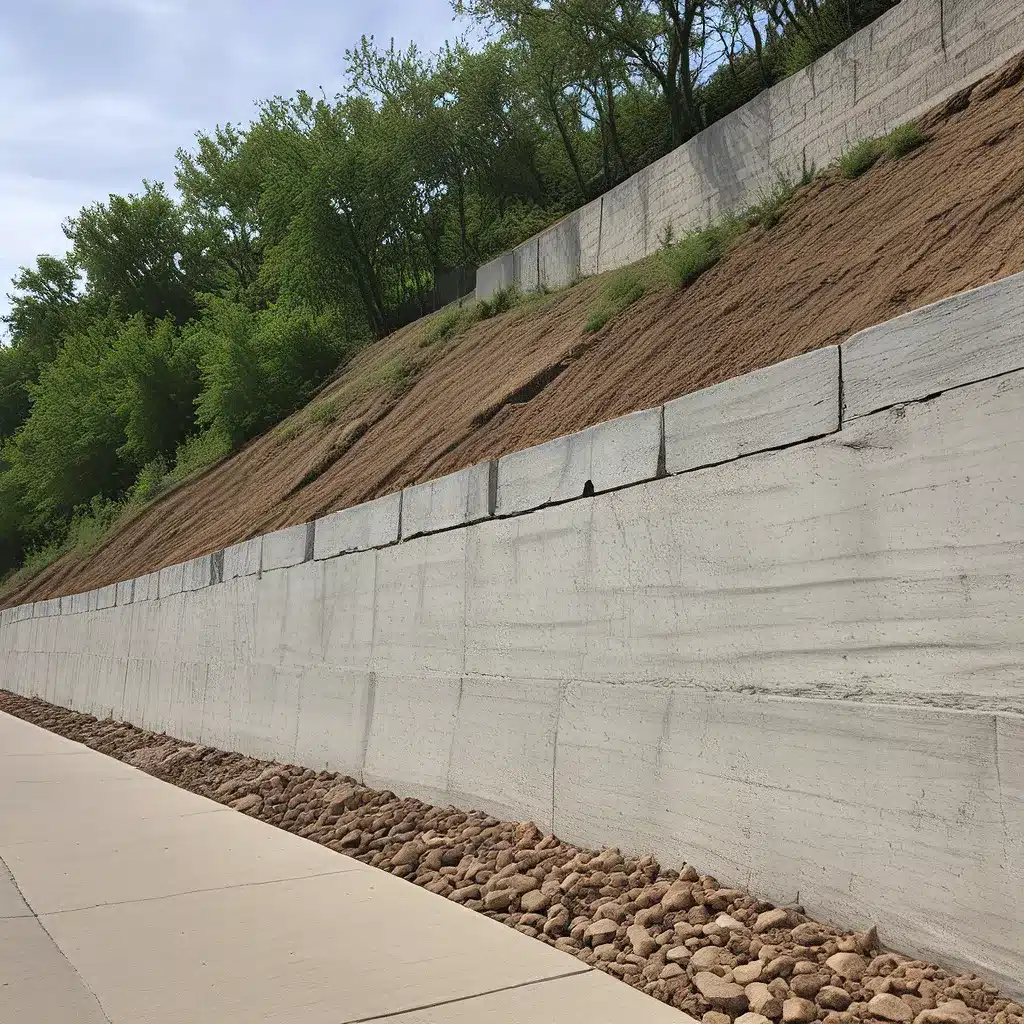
<point>620,291</point>
<point>501,301</point>
<point>860,157</point>
<point>903,139</point>
<point>865,154</point>
<point>450,323</point>
<point>772,202</point>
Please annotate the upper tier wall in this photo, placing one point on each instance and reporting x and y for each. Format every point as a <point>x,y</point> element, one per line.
<point>907,61</point>
<point>775,627</point>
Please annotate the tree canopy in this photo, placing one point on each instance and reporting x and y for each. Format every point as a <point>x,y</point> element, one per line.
<point>187,318</point>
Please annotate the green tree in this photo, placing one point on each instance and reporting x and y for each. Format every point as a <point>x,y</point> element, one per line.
<point>135,250</point>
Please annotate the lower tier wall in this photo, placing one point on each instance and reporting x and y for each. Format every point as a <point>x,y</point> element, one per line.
<point>801,670</point>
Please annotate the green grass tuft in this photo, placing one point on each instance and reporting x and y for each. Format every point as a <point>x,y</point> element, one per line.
<point>860,157</point>
<point>903,139</point>
<point>621,290</point>
<point>501,301</point>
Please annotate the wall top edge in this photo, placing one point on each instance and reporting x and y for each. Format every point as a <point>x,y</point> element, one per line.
<point>961,314</point>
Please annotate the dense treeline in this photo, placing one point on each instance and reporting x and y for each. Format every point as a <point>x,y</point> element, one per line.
<point>183,322</point>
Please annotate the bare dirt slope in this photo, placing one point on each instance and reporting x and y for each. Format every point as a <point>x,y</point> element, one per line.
<point>847,254</point>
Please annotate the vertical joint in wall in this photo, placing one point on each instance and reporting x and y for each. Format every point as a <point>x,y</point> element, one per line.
<point>662,469</point>
<point>942,25</point>
<point>842,390</point>
<point>492,487</point>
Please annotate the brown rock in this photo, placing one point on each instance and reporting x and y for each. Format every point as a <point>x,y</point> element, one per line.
<point>535,902</point>
<point>611,911</point>
<point>467,892</point>
<point>777,918</point>
<point>779,988</point>
<point>810,933</point>
<point>678,897</point>
<point>729,923</point>
<point>500,900</point>
<point>670,971</point>
<point>714,1017</point>
<point>954,1011</point>
<point>890,1007</point>
<point>678,955</point>
<point>253,802</point>
<point>600,932</point>
<point>867,941</point>
<point>520,884</point>
<point>798,1011</point>
<point>708,956</point>
<point>409,853</point>
<point>752,1018</point>
<point>605,952</point>
<point>640,939</point>
<point>745,974</point>
<point>832,998</point>
<point>726,996</point>
<point>761,1000</point>
<point>780,967</point>
<point>806,986</point>
<point>850,966</point>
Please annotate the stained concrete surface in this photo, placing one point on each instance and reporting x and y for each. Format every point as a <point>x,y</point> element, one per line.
<point>191,912</point>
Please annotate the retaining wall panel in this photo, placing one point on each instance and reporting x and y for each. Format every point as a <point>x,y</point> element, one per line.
<point>171,580</point>
<point>791,401</point>
<point>243,559</point>
<point>872,808</point>
<point>335,706</point>
<point>965,338</point>
<point>525,265</point>
<point>449,501</point>
<point>493,276</point>
<point>411,734</point>
<point>198,573</point>
<point>347,610</point>
<point>503,748</point>
<point>125,593</point>
<point>608,455</point>
<point>560,253</point>
<point>419,624</point>
<point>285,548</point>
<point>373,524</point>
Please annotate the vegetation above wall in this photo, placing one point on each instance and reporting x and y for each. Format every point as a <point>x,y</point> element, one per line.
<point>182,323</point>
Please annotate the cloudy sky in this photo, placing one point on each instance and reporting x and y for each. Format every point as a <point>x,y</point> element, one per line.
<point>96,95</point>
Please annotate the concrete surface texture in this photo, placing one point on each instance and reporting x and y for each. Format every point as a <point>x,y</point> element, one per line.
<point>124,899</point>
<point>799,669</point>
<point>908,60</point>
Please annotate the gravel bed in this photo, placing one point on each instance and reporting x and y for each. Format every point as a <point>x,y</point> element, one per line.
<point>715,952</point>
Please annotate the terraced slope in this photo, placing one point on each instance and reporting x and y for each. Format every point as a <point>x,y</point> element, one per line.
<point>847,254</point>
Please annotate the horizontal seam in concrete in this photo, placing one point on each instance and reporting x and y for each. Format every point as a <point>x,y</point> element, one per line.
<point>356,551</point>
<point>759,451</point>
<point>469,998</point>
<point>933,395</point>
<point>215,888</point>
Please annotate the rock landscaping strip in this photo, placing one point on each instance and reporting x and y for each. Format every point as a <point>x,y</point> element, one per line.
<point>717,953</point>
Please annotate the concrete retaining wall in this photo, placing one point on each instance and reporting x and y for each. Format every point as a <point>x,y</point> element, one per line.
<point>787,646</point>
<point>909,60</point>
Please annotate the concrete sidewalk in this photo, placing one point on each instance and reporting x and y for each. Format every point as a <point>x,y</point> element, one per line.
<point>124,900</point>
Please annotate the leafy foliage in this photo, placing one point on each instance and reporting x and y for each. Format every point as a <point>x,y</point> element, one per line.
<point>180,325</point>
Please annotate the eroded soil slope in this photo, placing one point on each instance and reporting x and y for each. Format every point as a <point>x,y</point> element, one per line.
<point>847,254</point>
<point>720,954</point>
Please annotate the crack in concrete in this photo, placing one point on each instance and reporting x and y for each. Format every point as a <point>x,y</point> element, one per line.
<point>46,931</point>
